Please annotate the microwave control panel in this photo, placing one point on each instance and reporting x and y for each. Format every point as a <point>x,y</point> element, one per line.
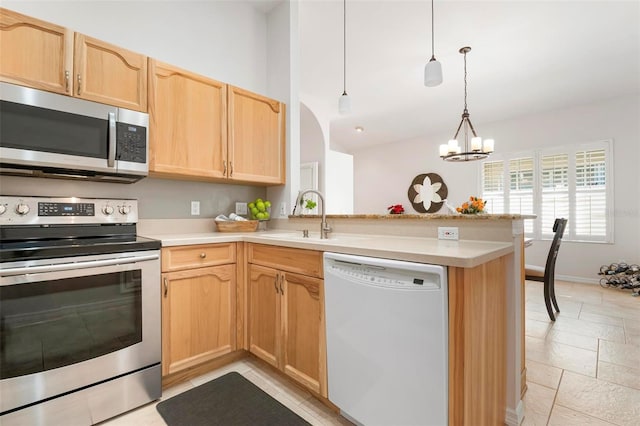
<point>131,143</point>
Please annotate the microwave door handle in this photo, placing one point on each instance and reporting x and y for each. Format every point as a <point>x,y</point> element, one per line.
<point>111,158</point>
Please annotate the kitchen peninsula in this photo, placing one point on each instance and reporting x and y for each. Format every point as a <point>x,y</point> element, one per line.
<point>486,356</point>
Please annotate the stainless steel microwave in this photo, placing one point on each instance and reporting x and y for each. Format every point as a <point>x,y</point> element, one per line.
<point>45,134</point>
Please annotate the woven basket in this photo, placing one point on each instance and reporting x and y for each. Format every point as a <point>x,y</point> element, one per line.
<point>237,226</point>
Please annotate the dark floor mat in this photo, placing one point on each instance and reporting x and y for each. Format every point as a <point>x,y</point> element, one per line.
<point>226,401</point>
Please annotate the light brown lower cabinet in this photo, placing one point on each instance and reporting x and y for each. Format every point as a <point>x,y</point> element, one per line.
<point>286,322</point>
<point>198,307</point>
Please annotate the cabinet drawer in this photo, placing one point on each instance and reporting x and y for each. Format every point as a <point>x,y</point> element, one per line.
<point>306,262</point>
<point>197,256</point>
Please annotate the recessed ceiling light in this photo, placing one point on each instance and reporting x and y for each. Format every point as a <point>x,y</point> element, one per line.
<point>359,129</point>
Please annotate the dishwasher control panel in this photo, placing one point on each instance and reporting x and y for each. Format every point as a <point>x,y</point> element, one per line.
<point>382,276</point>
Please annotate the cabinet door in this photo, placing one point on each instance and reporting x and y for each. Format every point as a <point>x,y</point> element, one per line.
<point>264,313</point>
<point>304,331</point>
<point>109,74</point>
<point>198,316</point>
<point>35,53</point>
<point>188,130</point>
<point>256,138</point>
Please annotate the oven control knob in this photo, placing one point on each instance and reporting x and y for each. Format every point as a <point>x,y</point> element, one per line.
<point>3,208</point>
<point>125,209</point>
<point>107,210</point>
<point>22,209</point>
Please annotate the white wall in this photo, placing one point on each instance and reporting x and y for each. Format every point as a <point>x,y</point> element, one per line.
<point>383,173</point>
<point>339,195</point>
<point>312,143</point>
<point>225,40</point>
<point>283,84</point>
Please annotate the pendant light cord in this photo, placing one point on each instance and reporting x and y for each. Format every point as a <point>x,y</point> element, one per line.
<point>433,55</point>
<point>344,50</point>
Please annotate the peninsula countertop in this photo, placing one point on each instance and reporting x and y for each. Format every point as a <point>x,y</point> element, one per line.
<point>462,253</point>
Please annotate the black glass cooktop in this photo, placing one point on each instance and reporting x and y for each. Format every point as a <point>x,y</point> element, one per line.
<point>48,242</point>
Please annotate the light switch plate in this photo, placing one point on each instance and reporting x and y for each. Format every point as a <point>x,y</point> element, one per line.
<point>241,208</point>
<point>447,233</point>
<point>283,209</point>
<point>195,208</point>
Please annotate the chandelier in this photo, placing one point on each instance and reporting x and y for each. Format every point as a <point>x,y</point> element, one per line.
<point>476,149</point>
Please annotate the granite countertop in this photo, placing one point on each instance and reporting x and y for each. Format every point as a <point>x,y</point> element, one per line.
<point>463,253</point>
<point>419,216</point>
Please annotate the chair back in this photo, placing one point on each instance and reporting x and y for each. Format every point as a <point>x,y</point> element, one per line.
<point>558,229</point>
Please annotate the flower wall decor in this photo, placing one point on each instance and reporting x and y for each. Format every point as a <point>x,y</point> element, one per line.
<point>475,205</point>
<point>427,193</point>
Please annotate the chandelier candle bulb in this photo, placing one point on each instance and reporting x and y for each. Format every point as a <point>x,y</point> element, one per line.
<point>444,149</point>
<point>453,145</point>
<point>476,143</point>
<point>488,145</point>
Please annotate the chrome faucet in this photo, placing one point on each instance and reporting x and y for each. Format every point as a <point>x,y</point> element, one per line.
<point>324,226</point>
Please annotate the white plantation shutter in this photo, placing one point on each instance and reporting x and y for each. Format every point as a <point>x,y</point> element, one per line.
<point>493,186</point>
<point>521,189</point>
<point>572,181</point>
<point>591,194</point>
<point>554,180</point>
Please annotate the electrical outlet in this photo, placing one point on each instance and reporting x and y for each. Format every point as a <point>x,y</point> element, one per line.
<point>447,233</point>
<point>195,208</point>
<point>241,208</point>
<point>283,209</point>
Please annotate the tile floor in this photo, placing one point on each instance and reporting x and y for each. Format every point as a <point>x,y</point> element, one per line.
<point>584,369</point>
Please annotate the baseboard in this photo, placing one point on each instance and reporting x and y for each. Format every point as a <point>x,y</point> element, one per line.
<point>582,280</point>
<point>514,417</point>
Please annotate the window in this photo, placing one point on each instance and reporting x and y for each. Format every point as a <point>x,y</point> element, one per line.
<point>591,194</point>
<point>520,194</point>
<point>493,186</point>
<point>571,181</point>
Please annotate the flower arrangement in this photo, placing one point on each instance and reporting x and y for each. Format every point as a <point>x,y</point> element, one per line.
<point>396,209</point>
<point>475,205</point>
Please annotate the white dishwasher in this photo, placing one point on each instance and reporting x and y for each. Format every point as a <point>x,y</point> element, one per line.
<point>387,340</point>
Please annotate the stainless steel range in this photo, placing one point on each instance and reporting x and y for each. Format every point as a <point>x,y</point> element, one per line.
<point>79,311</point>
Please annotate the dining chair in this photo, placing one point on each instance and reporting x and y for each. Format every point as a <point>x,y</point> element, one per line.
<point>547,275</point>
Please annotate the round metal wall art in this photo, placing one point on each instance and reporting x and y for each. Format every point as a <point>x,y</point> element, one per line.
<point>427,193</point>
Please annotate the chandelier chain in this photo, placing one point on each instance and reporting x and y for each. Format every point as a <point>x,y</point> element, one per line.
<point>465,81</point>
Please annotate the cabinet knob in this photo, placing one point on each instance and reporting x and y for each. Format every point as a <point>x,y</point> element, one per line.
<point>203,255</point>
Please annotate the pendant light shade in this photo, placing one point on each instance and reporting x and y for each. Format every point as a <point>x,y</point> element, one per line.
<point>474,147</point>
<point>433,69</point>
<point>432,73</point>
<point>344,102</point>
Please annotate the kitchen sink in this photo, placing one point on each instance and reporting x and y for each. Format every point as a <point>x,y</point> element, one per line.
<point>313,236</point>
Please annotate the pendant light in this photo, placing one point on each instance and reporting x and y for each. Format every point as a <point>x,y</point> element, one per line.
<point>479,149</point>
<point>344,103</point>
<point>433,69</point>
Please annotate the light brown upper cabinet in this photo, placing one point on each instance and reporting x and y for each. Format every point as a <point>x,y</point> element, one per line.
<point>203,129</point>
<point>256,138</point>
<point>35,53</point>
<point>188,123</point>
<point>109,74</point>
<point>42,55</point>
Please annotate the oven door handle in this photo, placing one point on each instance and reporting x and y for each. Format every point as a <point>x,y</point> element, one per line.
<point>77,265</point>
